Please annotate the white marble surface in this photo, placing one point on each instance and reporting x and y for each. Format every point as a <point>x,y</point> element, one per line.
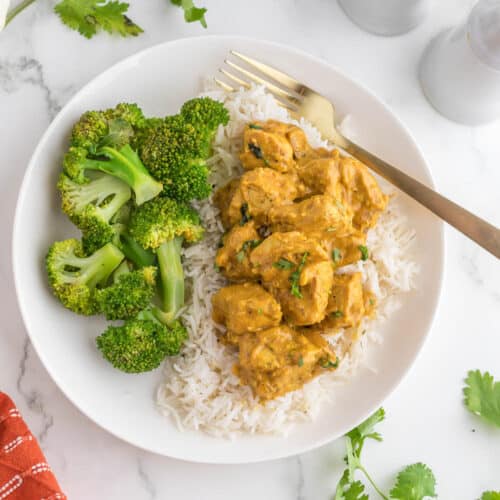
<point>42,64</point>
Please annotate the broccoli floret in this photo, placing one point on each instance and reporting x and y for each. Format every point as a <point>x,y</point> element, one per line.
<point>141,344</point>
<point>101,140</point>
<point>206,113</point>
<point>176,151</point>
<point>115,125</point>
<point>130,293</point>
<point>145,130</point>
<point>163,224</point>
<point>94,207</point>
<point>163,219</point>
<point>74,277</point>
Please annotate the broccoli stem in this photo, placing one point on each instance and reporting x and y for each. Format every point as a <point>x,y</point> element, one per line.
<point>95,269</point>
<point>134,252</point>
<point>120,271</point>
<point>172,277</point>
<point>126,165</point>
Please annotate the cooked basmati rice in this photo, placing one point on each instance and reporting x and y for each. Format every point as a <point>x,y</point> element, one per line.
<point>200,391</point>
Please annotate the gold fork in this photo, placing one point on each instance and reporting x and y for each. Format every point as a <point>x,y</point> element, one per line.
<point>302,101</point>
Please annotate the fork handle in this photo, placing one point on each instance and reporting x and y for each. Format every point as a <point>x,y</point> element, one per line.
<point>478,230</point>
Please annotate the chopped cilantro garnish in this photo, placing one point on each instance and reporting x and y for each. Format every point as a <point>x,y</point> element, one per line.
<point>295,277</point>
<point>250,244</point>
<point>245,215</point>
<point>284,264</point>
<point>336,255</point>
<point>328,363</point>
<point>364,252</point>
<point>300,362</point>
<point>240,256</point>
<point>337,314</point>
<point>256,151</point>
<point>254,126</point>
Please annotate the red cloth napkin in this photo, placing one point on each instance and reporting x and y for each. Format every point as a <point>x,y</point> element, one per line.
<point>24,473</point>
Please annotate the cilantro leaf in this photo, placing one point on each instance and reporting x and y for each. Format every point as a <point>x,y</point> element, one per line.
<point>336,255</point>
<point>245,215</point>
<point>490,495</point>
<point>88,16</point>
<point>295,277</point>
<point>191,13</point>
<point>364,252</point>
<point>365,430</point>
<point>283,264</point>
<point>350,491</point>
<point>482,396</point>
<point>415,482</point>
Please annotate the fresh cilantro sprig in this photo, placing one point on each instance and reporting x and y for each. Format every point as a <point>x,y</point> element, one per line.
<point>415,482</point>
<point>192,13</point>
<point>88,17</point>
<point>482,396</point>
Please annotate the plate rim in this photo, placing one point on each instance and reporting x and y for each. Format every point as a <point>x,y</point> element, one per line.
<point>127,61</point>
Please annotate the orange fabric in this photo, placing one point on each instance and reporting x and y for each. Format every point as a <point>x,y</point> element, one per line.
<point>24,473</point>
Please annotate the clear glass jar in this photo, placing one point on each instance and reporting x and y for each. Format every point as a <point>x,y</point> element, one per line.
<point>386,17</point>
<point>460,69</point>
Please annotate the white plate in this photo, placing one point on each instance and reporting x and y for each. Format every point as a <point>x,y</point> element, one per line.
<point>160,79</point>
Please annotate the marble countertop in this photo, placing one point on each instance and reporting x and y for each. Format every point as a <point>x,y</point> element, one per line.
<point>42,64</point>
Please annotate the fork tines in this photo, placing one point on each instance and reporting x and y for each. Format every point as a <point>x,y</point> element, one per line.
<point>287,91</point>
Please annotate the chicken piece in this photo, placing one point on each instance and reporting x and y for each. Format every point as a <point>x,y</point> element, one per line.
<point>279,360</point>
<point>245,308</point>
<point>233,257</point>
<point>346,306</point>
<point>361,193</point>
<point>266,145</point>
<point>299,143</point>
<point>298,272</point>
<point>306,304</point>
<point>344,248</point>
<point>279,254</point>
<point>321,174</point>
<point>316,214</point>
<point>254,194</point>
<point>228,200</point>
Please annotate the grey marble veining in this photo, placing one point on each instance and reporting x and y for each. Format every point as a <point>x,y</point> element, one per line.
<point>42,64</point>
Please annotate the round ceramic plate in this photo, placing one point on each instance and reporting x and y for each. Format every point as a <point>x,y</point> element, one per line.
<point>160,79</point>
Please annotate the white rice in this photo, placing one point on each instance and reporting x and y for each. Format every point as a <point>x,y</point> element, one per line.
<point>200,391</point>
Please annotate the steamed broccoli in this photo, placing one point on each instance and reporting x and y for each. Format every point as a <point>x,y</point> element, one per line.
<point>162,224</point>
<point>74,277</point>
<point>163,219</point>
<point>141,344</point>
<point>133,251</point>
<point>129,294</point>
<point>175,151</point>
<point>94,207</point>
<point>100,140</point>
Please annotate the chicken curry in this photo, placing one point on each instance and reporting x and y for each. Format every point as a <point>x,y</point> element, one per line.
<point>294,217</point>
